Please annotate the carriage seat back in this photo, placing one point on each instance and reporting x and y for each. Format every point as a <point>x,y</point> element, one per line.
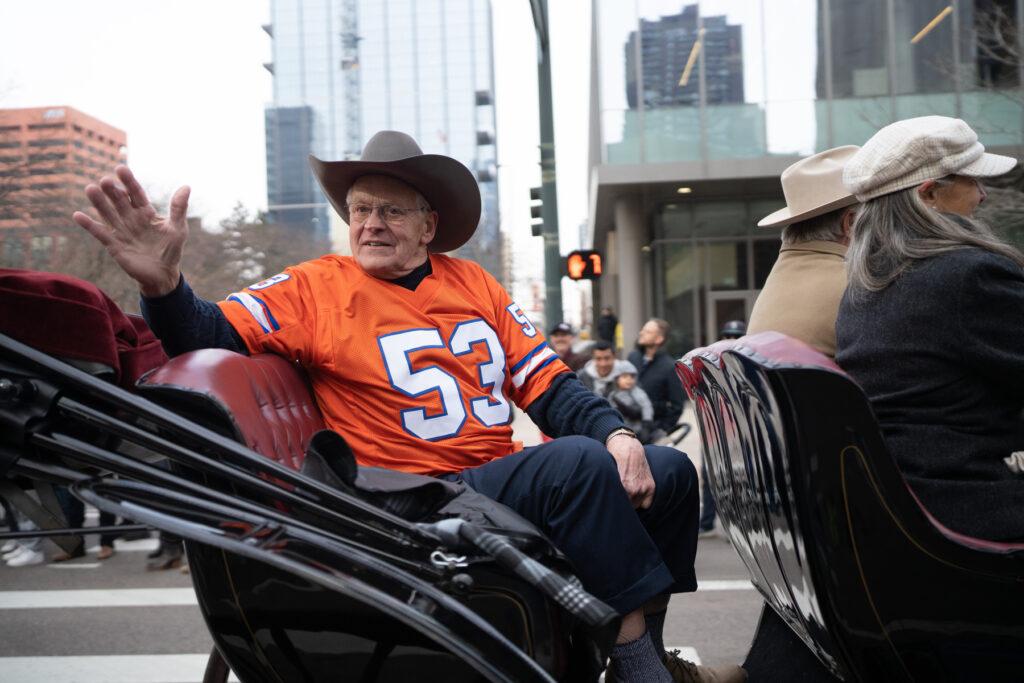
<point>828,529</point>
<point>265,399</point>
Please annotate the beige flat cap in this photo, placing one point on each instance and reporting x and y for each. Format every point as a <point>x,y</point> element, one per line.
<point>909,152</point>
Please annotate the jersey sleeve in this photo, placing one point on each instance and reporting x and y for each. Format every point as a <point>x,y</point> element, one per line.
<point>531,365</point>
<point>276,315</point>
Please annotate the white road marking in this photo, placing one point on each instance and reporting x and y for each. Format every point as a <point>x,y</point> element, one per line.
<point>77,565</point>
<point>725,585</point>
<point>687,653</point>
<point>115,597</point>
<point>144,545</point>
<point>105,669</point>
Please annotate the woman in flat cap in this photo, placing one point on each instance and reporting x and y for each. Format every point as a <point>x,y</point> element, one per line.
<point>932,324</point>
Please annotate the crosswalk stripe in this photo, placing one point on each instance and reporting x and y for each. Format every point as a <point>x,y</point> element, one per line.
<point>725,585</point>
<point>156,597</point>
<point>105,669</point>
<point>114,597</point>
<point>687,653</point>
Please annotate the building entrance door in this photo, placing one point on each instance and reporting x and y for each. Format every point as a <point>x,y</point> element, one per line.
<point>725,306</point>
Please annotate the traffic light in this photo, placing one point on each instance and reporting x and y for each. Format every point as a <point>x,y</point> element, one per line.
<point>536,221</point>
<point>584,264</point>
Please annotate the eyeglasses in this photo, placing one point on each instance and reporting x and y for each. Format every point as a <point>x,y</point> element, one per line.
<point>389,213</point>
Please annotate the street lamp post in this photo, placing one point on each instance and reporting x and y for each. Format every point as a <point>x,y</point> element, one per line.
<point>549,196</point>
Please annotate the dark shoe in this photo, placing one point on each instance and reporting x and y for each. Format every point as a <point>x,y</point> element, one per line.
<point>684,671</point>
<point>64,556</point>
<point>170,557</point>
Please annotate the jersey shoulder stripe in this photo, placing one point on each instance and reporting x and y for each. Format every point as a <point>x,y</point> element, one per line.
<point>258,309</point>
<point>538,358</point>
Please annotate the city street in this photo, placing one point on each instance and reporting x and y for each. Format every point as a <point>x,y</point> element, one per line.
<point>114,622</point>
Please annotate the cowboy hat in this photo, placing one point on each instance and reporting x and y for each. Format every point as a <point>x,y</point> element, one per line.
<point>447,185</point>
<point>813,186</point>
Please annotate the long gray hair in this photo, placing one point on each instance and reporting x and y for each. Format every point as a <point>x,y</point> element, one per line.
<point>892,231</point>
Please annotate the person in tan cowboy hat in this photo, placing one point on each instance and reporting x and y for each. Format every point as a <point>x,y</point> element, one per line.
<point>801,296</point>
<point>416,359</point>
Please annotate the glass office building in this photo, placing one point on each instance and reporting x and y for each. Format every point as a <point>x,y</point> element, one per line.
<point>697,107</point>
<point>424,67</point>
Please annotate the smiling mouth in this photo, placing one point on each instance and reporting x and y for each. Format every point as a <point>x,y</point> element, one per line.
<point>376,244</point>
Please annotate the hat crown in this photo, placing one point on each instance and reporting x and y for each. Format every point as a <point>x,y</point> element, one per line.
<point>390,145</point>
<point>816,180</point>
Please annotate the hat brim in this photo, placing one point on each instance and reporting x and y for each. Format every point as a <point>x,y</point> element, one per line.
<point>447,185</point>
<point>988,165</point>
<point>785,215</point>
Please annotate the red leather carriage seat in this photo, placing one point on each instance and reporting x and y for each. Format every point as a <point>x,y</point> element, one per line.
<point>266,398</point>
<point>775,349</point>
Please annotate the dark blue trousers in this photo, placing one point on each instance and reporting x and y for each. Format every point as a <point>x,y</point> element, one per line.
<point>569,488</point>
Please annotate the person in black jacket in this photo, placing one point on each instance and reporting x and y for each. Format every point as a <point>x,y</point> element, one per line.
<point>657,374</point>
<point>932,324</point>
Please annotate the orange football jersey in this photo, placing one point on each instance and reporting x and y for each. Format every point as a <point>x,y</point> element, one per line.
<point>420,381</point>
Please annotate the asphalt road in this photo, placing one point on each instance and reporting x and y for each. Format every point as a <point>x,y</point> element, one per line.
<point>114,622</point>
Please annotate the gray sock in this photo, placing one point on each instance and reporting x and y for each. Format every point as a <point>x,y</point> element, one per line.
<point>638,662</point>
<point>656,627</point>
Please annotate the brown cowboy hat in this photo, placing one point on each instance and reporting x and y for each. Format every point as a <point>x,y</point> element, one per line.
<point>447,185</point>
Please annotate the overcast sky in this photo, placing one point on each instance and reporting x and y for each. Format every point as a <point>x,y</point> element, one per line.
<point>185,80</point>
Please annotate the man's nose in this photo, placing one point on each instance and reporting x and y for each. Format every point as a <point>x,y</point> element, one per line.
<point>375,221</point>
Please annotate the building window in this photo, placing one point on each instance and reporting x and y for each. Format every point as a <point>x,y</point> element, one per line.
<point>49,156</point>
<point>9,129</point>
<point>47,143</point>
<point>9,145</point>
<point>45,126</point>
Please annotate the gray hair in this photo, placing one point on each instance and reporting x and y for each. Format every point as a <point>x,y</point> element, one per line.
<point>892,231</point>
<point>828,227</point>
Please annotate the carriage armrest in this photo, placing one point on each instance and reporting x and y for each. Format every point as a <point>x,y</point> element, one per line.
<point>266,399</point>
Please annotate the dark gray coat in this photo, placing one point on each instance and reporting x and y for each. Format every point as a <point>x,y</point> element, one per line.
<point>940,353</point>
<point>659,380</point>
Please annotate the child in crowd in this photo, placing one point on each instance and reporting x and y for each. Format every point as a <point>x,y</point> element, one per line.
<point>632,402</point>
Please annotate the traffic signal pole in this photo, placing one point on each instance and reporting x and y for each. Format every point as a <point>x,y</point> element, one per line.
<point>549,196</point>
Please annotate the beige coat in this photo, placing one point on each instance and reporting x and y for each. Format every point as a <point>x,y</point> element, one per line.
<point>802,293</point>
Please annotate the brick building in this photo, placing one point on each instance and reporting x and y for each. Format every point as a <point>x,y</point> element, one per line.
<point>47,156</point>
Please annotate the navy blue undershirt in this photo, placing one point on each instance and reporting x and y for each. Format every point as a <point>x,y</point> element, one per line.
<point>184,322</point>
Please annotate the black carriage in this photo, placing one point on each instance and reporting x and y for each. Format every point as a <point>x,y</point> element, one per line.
<point>305,568</point>
<point>832,536</point>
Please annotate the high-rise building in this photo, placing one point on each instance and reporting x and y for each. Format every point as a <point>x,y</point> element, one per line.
<point>663,47</point>
<point>681,174</point>
<point>345,69</point>
<point>47,156</point>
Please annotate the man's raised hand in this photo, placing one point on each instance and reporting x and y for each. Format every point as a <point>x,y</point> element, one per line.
<point>146,245</point>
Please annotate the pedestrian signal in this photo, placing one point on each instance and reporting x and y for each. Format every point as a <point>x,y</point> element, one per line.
<point>584,264</point>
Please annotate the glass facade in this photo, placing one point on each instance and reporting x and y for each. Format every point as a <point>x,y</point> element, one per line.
<point>737,79</point>
<point>423,67</point>
<point>707,263</point>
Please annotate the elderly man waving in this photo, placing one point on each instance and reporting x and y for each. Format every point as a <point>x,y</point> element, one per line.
<point>416,357</point>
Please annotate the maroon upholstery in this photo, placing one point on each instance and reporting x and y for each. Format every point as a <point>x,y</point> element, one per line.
<point>266,398</point>
<point>775,349</point>
<point>74,320</point>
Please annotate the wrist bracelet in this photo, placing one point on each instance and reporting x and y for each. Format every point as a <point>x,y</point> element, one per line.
<point>621,430</point>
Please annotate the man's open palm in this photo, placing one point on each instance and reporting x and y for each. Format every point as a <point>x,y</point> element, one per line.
<point>146,245</point>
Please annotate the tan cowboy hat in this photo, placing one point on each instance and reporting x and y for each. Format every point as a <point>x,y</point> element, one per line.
<point>813,186</point>
<point>447,185</point>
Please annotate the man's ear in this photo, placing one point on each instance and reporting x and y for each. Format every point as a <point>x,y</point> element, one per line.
<point>846,223</point>
<point>431,229</point>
